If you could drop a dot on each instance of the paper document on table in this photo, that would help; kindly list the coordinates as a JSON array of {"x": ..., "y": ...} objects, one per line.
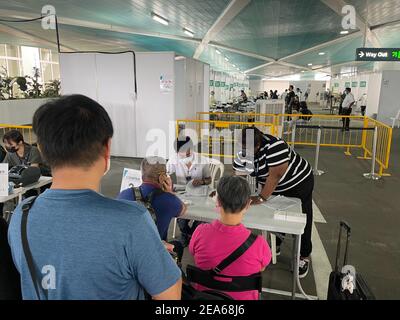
[
  {"x": 279, "y": 203},
  {"x": 199, "y": 191}
]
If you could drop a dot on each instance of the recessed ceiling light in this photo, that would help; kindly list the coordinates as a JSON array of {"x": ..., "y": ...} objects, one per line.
[
  {"x": 321, "y": 53},
  {"x": 310, "y": 64},
  {"x": 226, "y": 59},
  {"x": 233, "y": 66},
  {"x": 344, "y": 32},
  {"x": 188, "y": 32},
  {"x": 159, "y": 19},
  {"x": 302, "y": 71},
  {"x": 217, "y": 51}
]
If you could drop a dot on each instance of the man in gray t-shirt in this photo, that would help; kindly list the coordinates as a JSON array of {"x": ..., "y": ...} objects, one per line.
[{"x": 19, "y": 152}]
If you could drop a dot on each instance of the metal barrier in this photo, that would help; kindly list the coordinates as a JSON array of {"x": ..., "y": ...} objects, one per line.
[
  {"x": 331, "y": 136},
  {"x": 217, "y": 139},
  {"x": 26, "y": 131},
  {"x": 383, "y": 144}
]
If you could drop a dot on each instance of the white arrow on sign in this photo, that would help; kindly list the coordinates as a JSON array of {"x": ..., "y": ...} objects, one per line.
[{"x": 361, "y": 54}]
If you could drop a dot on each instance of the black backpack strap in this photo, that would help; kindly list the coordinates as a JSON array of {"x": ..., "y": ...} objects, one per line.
[
  {"x": 236, "y": 254},
  {"x": 155, "y": 193},
  {"x": 25, "y": 245},
  {"x": 137, "y": 194}
]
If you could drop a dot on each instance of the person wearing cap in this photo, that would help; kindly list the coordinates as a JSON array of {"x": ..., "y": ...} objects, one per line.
[{"x": 188, "y": 166}]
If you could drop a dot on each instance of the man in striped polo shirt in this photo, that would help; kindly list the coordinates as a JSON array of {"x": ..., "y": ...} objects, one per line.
[{"x": 279, "y": 170}]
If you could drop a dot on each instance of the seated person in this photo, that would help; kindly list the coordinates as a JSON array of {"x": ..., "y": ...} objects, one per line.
[
  {"x": 243, "y": 95},
  {"x": 165, "y": 204},
  {"x": 188, "y": 166},
  {"x": 211, "y": 243},
  {"x": 19, "y": 152},
  {"x": 304, "y": 110}
]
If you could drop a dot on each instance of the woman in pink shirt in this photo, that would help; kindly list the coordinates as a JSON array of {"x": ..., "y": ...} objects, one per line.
[{"x": 212, "y": 243}]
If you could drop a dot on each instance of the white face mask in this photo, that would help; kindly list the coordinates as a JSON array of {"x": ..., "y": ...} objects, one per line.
[
  {"x": 187, "y": 160},
  {"x": 108, "y": 166}
]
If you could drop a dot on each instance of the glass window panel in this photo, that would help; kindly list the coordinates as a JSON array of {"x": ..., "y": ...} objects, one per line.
[
  {"x": 2, "y": 50},
  {"x": 13, "y": 68},
  {"x": 56, "y": 72},
  {"x": 46, "y": 72},
  {"x": 54, "y": 56},
  {"x": 3, "y": 63},
  {"x": 12, "y": 51},
  {"x": 44, "y": 54}
]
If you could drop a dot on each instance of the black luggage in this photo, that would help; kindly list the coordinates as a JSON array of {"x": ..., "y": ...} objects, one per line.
[{"x": 361, "y": 290}]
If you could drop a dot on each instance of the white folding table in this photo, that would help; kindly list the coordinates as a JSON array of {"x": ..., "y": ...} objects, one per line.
[
  {"x": 258, "y": 217},
  {"x": 19, "y": 192}
]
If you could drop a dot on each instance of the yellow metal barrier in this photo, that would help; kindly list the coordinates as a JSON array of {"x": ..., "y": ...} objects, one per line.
[
  {"x": 217, "y": 139},
  {"x": 26, "y": 131},
  {"x": 332, "y": 135},
  {"x": 383, "y": 145}
]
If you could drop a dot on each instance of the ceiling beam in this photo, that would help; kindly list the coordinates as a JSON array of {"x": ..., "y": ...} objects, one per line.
[
  {"x": 15, "y": 32},
  {"x": 355, "y": 63},
  {"x": 240, "y": 51},
  {"x": 337, "y": 5},
  {"x": 231, "y": 11},
  {"x": 323, "y": 45},
  {"x": 259, "y": 67},
  {"x": 100, "y": 26}
]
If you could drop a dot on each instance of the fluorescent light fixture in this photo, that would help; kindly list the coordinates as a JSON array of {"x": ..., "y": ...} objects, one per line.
[
  {"x": 179, "y": 58},
  {"x": 344, "y": 32},
  {"x": 159, "y": 19},
  {"x": 217, "y": 51},
  {"x": 226, "y": 59},
  {"x": 188, "y": 32},
  {"x": 310, "y": 64},
  {"x": 321, "y": 53}
]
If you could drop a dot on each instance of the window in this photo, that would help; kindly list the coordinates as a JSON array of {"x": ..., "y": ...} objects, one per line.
[{"x": 20, "y": 61}]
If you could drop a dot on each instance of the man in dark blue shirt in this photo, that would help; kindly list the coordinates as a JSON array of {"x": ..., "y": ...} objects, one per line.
[{"x": 157, "y": 185}]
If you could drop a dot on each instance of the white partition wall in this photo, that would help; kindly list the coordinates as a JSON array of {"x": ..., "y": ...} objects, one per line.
[
  {"x": 167, "y": 90},
  {"x": 108, "y": 79},
  {"x": 155, "y": 106},
  {"x": 389, "y": 102}
]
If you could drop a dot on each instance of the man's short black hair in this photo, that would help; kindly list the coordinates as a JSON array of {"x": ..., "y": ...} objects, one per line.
[
  {"x": 233, "y": 193},
  {"x": 291, "y": 87},
  {"x": 72, "y": 131},
  {"x": 348, "y": 89},
  {"x": 184, "y": 143},
  {"x": 14, "y": 136}
]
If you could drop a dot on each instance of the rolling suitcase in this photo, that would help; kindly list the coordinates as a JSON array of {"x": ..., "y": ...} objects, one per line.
[{"x": 345, "y": 277}]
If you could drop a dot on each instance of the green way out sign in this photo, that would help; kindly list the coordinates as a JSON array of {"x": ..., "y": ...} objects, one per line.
[{"x": 378, "y": 54}]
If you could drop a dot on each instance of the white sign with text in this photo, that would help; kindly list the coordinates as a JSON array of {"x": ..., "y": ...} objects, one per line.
[{"x": 131, "y": 177}]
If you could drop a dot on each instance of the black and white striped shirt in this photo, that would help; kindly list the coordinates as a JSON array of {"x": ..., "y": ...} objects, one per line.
[{"x": 274, "y": 152}]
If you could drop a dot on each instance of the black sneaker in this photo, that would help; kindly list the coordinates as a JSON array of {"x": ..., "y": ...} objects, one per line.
[
  {"x": 278, "y": 251},
  {"x": 304, "y": 265}
]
